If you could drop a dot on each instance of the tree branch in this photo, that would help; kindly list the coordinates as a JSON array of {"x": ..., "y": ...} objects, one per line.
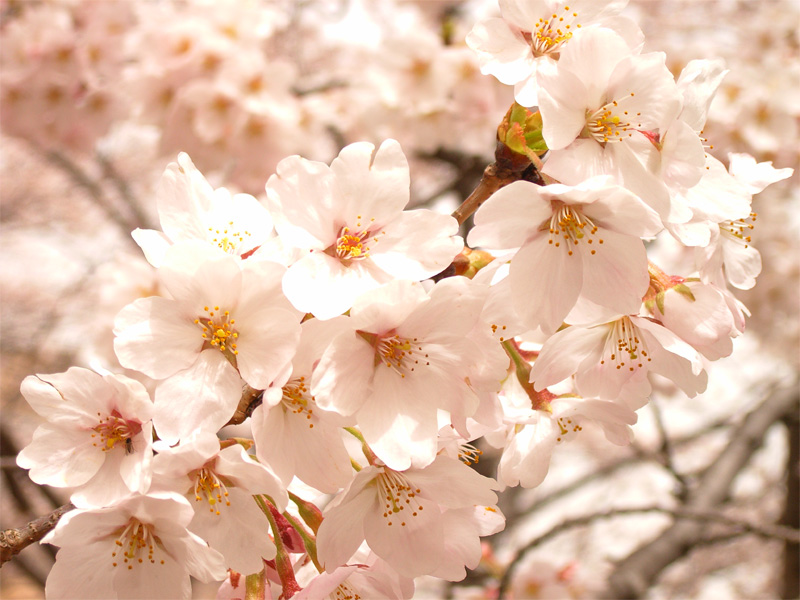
[
  {"x": 14, "y": 541},
  {"x": 634, "y": 575},
  {"x": 685, "y": 513}
]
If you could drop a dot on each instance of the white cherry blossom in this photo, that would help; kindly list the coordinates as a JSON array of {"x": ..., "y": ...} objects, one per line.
[
  {"x": 610, "y": 357},
  {"x": 190, "y": 209},
  {"x": 137, "y": 548},
  {"x": 349, "y": 221},
  {"x": 406, "y": 517},
  {"x": 227, "y": 321},
  {"x": 405, "y": 355},
  {"x": 532, "y": 34},
  {"x": 573, "y": 241},
  {"x": 98, "y": 436},
  {"x": 601, "y": 107},
  {"x": 220, "y": 484}
]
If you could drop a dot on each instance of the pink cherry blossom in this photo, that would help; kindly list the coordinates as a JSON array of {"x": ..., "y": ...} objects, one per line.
[
  {"x": 581, "y": 241},
  {"x": 220, "y": 484},
  {"x": 98, "y": 436},
  {"x": 407, "y": 516},
  {"x": 349, "y": 221},
  {"x": 227, "y": 322},
  {"x": 137, "y": 548}
]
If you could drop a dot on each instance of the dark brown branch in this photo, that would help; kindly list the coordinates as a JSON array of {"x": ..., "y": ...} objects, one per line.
[
  {"x": 13, "y": 541},
  {"x": 634, "y": 575},
  {"x": 507, "y": 168}
]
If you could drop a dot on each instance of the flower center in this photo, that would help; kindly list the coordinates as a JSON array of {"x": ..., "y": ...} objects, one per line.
[
  {"x": 218, "y": 331},
  {"x": 739, "y": 230},
  {"x": 136, "y": 540},
  {"x": 550, "y": 34},
  {"x": 567, "y": 428},
  {"x": 209, "y": 487},
  {"x": 397, "y": 495},
  {"x": 400, "y": 354},
  {"x": 353, "y": 242},
  {"x": 570, "y": 224},
  {"x": 113, "y": 430},
  {"x": 624, "y": 347},
  {"x": 344, "y": 592},
  {"x": 611, "y": 122},
  {"x": 228, "y": 239},
  {"x": 297, "y": 399}
]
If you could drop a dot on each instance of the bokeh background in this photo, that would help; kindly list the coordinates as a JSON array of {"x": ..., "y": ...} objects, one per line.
[{"x": 97, "y": 96}]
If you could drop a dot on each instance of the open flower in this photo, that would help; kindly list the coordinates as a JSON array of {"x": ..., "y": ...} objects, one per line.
[
  {"x": 610, "y": 357},
  {"x": 582, "y": 241},
  {"x": 405, "y": 355},
  {"x": 407, "y": 517},
  {"x": 600, "y": 107},
  {"x": 98, "y": 435},
  {"x": 532, "y": 34},
  {"x": 348, "y": 220},
  {"x": 220, "y": 484},
  {"x": 137, "y": 548},
  {"x": 190, "y": 209},
  {"x": 226, "y": 318}
]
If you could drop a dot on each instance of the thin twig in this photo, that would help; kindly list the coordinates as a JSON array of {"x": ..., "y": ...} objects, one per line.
[{"x": 666, "y": 451}]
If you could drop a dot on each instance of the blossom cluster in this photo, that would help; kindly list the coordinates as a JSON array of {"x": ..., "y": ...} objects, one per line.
[{"x": 365, "y": 346}]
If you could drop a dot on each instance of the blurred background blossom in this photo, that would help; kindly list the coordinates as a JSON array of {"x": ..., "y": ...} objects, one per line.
[{"x": 96, "y": 97}]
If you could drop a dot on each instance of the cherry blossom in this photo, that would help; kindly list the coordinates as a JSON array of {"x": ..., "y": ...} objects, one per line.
[
  {"x": 220, "y": 485},
  {"x": 190, "y": 209},
  {"x": 227, "y": 322},
  {"x": 292, "y": 433},
  {"x": 601, "y": 107},
  {"x": 97, "y": 438},
  {"x": 403, "y": 516},
  {"x": 573, "y": 241},
  {"x": 608, "y": 357},
  {"x": 405, "y": 355},
  {"x": 137, "y": 548},
  {"x": 349, "y": 220},
  {"x": 532, "y": 35}
]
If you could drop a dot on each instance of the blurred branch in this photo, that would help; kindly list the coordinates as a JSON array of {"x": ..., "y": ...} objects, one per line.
[
  {"x": 140, "y": 219},
  {"x": 685, "y": 513},
  {"x": 790, "y": 584},
  {"x": 82, "y": 179},
  {"x": 667, "y": 451},
  {"x": 634, "y": 575},
  {"x": 14, "y": 541}
]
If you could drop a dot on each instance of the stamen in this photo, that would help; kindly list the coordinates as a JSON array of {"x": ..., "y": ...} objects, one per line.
[
  {"x": 131, "y": 543},
  {"x": 218, "y": 331},
  {"x": 228, "y": 239},
  {"x": 569, "y": 223},
  {"x": 297, "y": 399},
  {"x": 212, "y": 487},
  {"x": 550, "y": 34},
  {"x": 611, "y": 122},
  {"x": 739, "y": 230},
  {"x": 113, "y": 430},
  {"x": 625, "y": 348},
  {"x": 400, "y": 354},
  {"x": 398, "y": 495}
]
